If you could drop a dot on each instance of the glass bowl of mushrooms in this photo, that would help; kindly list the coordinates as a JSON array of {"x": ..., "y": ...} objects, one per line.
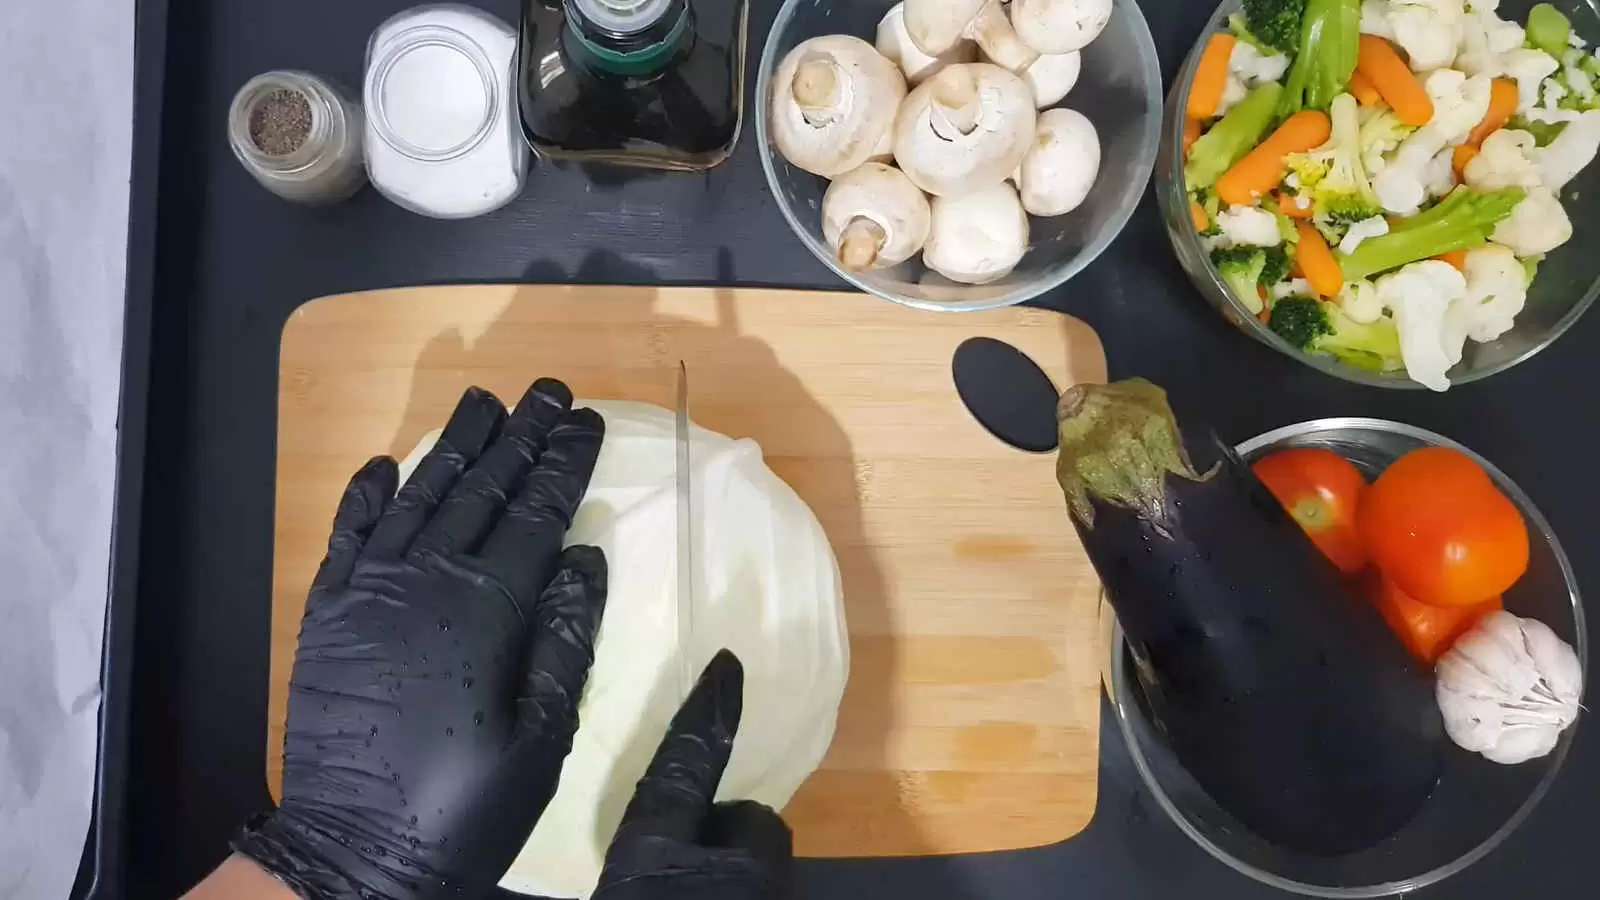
[
  {"x": 1482, "y": 794},
  {"x": 958, "y": 154}
]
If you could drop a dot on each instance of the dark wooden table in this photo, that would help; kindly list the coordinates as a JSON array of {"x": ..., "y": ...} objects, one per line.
[{"x": 232, "y": 262}]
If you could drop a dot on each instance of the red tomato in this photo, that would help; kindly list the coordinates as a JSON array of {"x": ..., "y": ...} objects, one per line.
[
  {"x": 1439, "y": 528},
  {"x": 1427, "y": 631},
  {"x": 1321, "y": 490}
]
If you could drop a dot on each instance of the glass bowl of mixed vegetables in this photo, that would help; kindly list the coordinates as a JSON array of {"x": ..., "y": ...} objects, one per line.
[
  {"x": 1354, "y": 484},
  {"x": 1394, "y": 192}
]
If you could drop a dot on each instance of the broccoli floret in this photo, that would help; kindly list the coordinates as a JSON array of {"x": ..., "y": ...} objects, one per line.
[
  {"x": 1273, "y": 23},
  {"x": 1380, "y": 134},
  {"x": 1330, "y": 34},
  {"x": 1241, "y": 268},
  {"x": 1308, "y": 169},
  {"x": 1335, "y": 174},
  {"x": 1374, "y": 346},
  {"x": 1332, "y": 232},
  {"x": 1318, "y": 327},
  {"x": 1464, "y": 219},
  {"x": 1275, "y": 266},
  {"x": 1300, "y": 321},
  {"x": 1344, "y": 196},
  {"x": 1241, "y": 30},
  {"x": 1234, "y": 135}
]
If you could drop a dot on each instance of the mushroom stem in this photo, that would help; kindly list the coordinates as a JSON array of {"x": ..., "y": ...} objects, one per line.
[
  {"x": 993, "y": 32},
  {"x": 816, "y": 89},
  {"x": 860, "y": 243},
  {"x": 955, "y": 101}
]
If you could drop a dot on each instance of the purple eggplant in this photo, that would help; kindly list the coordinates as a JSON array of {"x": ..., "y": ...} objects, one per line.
[{"x": 1277, "y": 686}]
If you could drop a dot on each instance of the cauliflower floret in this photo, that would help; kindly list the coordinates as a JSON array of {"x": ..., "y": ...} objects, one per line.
[
  {"x": 1254, "y": 67},
  {"x": 1572, "y": 150},
  {"x": 1551, "y": 92},
  {"x": 1399, "y": 187},
  {"x": 1420, "y": 295},
  {"x": 1294, "y": 287},
  {"x": 1359, "y": 300},
  {"x": 1578, "y": 81},
  {"x": 1529, "y": 68},
  {"x": 1375, "y": 19},
  {"x": 1485, "y": 39},
  {"x": 1537, "y": 225},
  {"x": 1382, "y": 132},
  {"x": 1497, "y": 289},
  {"x": 1439, "y": 177},
  {"x": 1249, "y": 226},
  {"x": 1459, "y": 103},
  {"x": 1377, "y": 226},
  {"x": 1508, "y": 158},
  {"x": 1550, "y": 115},
  {"x": 1233, "y": 90},
  {"x": 1428, "y": 30}
]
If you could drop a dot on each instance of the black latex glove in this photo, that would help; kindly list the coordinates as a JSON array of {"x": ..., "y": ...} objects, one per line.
[
  {"x": 444, "y": 648},
  {"x": 674, "y": 842}
]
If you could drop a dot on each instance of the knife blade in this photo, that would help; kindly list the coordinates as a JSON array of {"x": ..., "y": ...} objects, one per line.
[{"x": 684, "y": 485}]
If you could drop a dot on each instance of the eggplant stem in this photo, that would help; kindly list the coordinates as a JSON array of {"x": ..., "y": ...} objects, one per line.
[{"x": 1118, "y": 443}]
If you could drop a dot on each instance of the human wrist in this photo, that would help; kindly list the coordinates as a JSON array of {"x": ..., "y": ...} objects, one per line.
[
  {"x": 313, "y": 856},
  {"x": 240, "y": 878}
]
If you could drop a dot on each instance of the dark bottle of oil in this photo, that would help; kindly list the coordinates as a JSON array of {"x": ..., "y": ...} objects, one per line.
[{"x": 656, "y": 83}]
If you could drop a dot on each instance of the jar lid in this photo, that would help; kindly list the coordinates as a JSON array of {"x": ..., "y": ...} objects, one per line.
[
  {"x": 432, "y": 93},
  {"x": 622, "y": 16}
]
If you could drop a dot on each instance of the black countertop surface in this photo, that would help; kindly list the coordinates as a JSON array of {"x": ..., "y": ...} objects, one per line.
[{"x": 232, "y": 263}]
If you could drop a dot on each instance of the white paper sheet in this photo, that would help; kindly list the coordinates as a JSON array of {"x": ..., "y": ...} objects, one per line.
[{"x": 65, "y": 139}]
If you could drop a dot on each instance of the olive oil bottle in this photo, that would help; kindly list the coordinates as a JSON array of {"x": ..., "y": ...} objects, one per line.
[{"x": 655, "y": 83}]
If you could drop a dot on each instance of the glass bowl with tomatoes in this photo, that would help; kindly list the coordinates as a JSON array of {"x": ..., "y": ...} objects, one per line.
[{"x": 1476, "y": 803}]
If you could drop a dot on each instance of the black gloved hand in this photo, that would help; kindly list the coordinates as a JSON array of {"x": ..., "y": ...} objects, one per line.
[
  {"x": 444, "y": 647},
  {"x": 673, "y": 841}
]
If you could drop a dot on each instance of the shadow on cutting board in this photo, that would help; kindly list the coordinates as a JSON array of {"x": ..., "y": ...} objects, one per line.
[{"x": 763, "y": 401}]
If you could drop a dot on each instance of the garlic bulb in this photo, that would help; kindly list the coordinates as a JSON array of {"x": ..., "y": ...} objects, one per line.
[{"x": 1508, "y": 688}]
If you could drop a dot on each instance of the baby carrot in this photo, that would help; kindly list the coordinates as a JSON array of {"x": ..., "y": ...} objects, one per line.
[
  {"x": 1460, "y": 157},
  {"x": 1382, "y": 66},
  {"x": 1191, "y": 133},
  {"x": 1502, "y": 106},
  {"x": 1456, "y": 258},
  {"x": 1262, "y": 168},
  {"x": 1362, "y": 88},
  {"x": 1197, "y": 215},
  {"x": 1317, "y": 261},
  {"x": 1210, "y": 76},
  {"x": 1288, "y": 205}
]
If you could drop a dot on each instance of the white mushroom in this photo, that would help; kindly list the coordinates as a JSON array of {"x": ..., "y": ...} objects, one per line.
[
  {"x": 966, "y": 128},
  {"x": 896, "y": 46},
  {"x": 874, "y": 217},
  {"x": 1052, "y": 76},
  {"x": 833, "y": 103},
  {"x": 978, "y": 237},
  {"x": 1059, "y": 26},
  {"x": 1060, "y": 168},
  {"x": 935, "y": 26}
]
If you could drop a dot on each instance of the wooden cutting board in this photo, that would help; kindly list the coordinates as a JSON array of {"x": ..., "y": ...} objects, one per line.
[{"x": 971, "y": 719}]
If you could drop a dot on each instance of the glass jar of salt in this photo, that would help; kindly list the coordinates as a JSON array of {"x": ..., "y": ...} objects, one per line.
[
  {"x": 299, "y": 136},
  {"x": 442, "y": 138}
]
